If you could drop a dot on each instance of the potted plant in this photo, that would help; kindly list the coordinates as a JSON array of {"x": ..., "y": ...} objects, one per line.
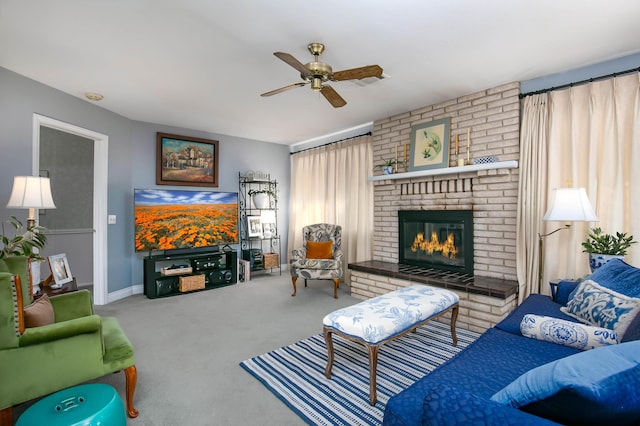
[
  {"x": 387, "y": 165},
  {"x": 260, "y": 197},
  {"x": 604, "y": 247},
  {"x": 24, "y": 242}
]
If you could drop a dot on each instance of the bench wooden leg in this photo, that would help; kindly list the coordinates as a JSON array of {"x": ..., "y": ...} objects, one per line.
[
  {"x": 293, "y": 281},
  {"x": 329, "y": 341},
  {"x": 454, "y": 318},
  {"x": 373, "y": 368}
]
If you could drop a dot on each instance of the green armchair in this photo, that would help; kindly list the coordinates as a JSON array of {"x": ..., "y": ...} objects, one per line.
[{"x": 79, "y": 346}]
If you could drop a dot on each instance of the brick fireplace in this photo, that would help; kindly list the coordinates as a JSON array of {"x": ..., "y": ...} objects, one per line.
[{"x": 493, "y": 119}]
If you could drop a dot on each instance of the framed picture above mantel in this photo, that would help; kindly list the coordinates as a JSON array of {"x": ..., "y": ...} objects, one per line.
[
  {"x": 187, "y": 161},
  {"x": 430, "y": 145}
]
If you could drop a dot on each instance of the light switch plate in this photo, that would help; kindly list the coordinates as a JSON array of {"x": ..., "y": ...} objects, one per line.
[{"x": 111, "y": 219}]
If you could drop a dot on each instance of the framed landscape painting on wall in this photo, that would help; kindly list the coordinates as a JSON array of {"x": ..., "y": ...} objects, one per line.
[
  {"x": 183, "y": 160},
  {"x": 430, "y": 145}
]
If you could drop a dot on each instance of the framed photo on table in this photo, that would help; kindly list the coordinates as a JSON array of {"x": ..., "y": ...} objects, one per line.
[
  {"x": 60, "y": 270},
  {"x": 430, "y": 145},
  {"x": 183, "y": 160}
]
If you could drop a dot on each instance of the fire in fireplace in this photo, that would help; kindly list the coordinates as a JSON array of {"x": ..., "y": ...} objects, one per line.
[{"x": 439, "y": 239}]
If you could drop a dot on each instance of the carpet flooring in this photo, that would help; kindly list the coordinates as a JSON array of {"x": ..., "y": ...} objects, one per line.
[{"x": 295, "y": 373}]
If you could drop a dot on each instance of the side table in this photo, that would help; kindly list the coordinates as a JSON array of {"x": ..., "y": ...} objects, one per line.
[{"x": 46, "y": 289}]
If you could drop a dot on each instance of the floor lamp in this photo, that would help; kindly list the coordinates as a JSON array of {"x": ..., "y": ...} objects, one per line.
[
  {"x": 31, "y": 192},
  {"x": 567, "y": 205}
]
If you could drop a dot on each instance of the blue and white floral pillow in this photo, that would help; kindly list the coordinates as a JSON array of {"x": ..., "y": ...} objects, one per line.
[
  {"x": 566, "y": 333},
  {"x": 599, "y": 306}
]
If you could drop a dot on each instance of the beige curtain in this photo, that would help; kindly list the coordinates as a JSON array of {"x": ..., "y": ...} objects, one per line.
[
  {"x": 593, "y": 142},
  {"x": 531, "y": 189},
  {"x": 329, "y": 185}
]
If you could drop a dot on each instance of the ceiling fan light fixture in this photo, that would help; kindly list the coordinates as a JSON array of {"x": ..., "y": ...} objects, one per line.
[{"x": 316, "y": 83}]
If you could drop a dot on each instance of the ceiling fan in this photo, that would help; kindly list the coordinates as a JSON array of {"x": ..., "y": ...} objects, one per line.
[{"x": 317, "y": 73}]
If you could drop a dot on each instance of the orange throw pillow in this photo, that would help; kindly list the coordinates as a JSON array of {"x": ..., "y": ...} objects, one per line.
[
  {"x": 39, "y": 313},
  {"x": 320, "y": 250}
]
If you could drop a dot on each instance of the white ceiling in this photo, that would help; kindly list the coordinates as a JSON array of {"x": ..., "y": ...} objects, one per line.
[{"x": 202, "y": 64}]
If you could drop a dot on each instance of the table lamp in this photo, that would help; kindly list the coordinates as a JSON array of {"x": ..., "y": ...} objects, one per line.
[{"x": 31, "y": 192}]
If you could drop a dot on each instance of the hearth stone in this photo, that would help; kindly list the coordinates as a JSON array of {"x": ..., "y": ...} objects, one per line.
[
  {"x": 493, "y": 287},
  {"x": 484, "y": 301}
]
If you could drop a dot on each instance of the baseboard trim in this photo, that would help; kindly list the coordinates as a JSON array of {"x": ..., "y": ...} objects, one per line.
[{"x": 125, "y": 292}]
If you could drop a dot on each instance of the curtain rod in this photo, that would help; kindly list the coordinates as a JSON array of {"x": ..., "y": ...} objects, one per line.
[
  {"x": 590, "y": 80},
  {"x": 331, "y": 143}
]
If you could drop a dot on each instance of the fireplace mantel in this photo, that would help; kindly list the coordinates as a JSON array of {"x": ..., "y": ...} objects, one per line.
[{"x": 447, "y": 171}]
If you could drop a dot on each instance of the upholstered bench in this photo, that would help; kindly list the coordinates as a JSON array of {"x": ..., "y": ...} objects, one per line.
[{"x": 384, "y": 318}]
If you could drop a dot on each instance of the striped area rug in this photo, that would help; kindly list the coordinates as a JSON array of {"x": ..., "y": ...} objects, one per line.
[{"x": 295, "y": 373}]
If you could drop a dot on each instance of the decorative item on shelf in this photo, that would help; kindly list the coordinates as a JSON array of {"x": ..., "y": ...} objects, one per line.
[
  {"x": 468, "y": 147},
  {"x": 261, "y": 197},
  {"x": 567, "y": 205},
  {"x": 191, "y": 282},
  {"x": 176, "y": 270},
  {"x": 460, "y": 161},
  {"x": 257, "y": 176},
  {"x": 254, "y": 226},
  {"x": 604, "y": 247},
  {"x": 430, "y": 145},
  {"x": 271, "y": 260},
  {"x": 388, "y": 166},
  {"x": 268, "y": 219},
  {"x": 485, "y": 160}
]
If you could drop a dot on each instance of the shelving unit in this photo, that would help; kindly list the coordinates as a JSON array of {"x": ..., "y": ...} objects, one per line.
[
  {"x": 448, "y": 171},
  {"x": 262, "y": 252}
]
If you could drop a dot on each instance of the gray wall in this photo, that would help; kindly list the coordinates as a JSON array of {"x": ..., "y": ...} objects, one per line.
[
  {"x": 579, "y": 74},
  {"x": 132, "y": 161}
]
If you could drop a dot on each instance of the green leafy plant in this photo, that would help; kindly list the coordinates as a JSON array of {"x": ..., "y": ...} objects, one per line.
[
  {"x": 388, "y": 163},
  {"x": 26, "y": 241},
  {"x": 269, "y": 191},
  {"x": 599, "y": 242}
]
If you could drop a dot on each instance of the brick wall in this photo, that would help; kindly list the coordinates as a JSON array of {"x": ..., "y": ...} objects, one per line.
[{"x": 493, "y": 117}]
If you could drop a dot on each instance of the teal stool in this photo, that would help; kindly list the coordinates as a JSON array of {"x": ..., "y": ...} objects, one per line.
[{"x": 87, "y": 405}]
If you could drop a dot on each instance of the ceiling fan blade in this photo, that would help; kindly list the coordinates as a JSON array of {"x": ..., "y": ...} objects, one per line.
[
  {"x": 289, "y": 59},
  {"x": 332, "y": 96},
  {"x": 358, "y": 73},
  {"x": 283, "y": 89}
]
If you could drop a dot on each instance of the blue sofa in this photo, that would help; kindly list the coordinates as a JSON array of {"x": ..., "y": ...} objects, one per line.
[{"x": 460, "y": 391}]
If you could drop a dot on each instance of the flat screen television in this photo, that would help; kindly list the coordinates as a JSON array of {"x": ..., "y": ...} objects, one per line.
[{"x": 174, "y": 219}]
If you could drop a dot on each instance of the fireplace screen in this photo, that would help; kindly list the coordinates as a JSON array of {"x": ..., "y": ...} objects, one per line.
[{"x": 439, "y": 239}]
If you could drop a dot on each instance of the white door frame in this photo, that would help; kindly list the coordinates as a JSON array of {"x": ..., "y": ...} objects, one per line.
[{"x": 100, "y": 180}]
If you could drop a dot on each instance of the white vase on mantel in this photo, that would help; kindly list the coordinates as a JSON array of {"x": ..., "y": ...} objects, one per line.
[
  {"x": 596, "y": 260},
  {"x": 260, "y": 200}
]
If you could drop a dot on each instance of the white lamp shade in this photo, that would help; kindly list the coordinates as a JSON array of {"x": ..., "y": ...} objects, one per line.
[
  {"x": 570, "y": 205},
  {"x": 31, "y": 192}
]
